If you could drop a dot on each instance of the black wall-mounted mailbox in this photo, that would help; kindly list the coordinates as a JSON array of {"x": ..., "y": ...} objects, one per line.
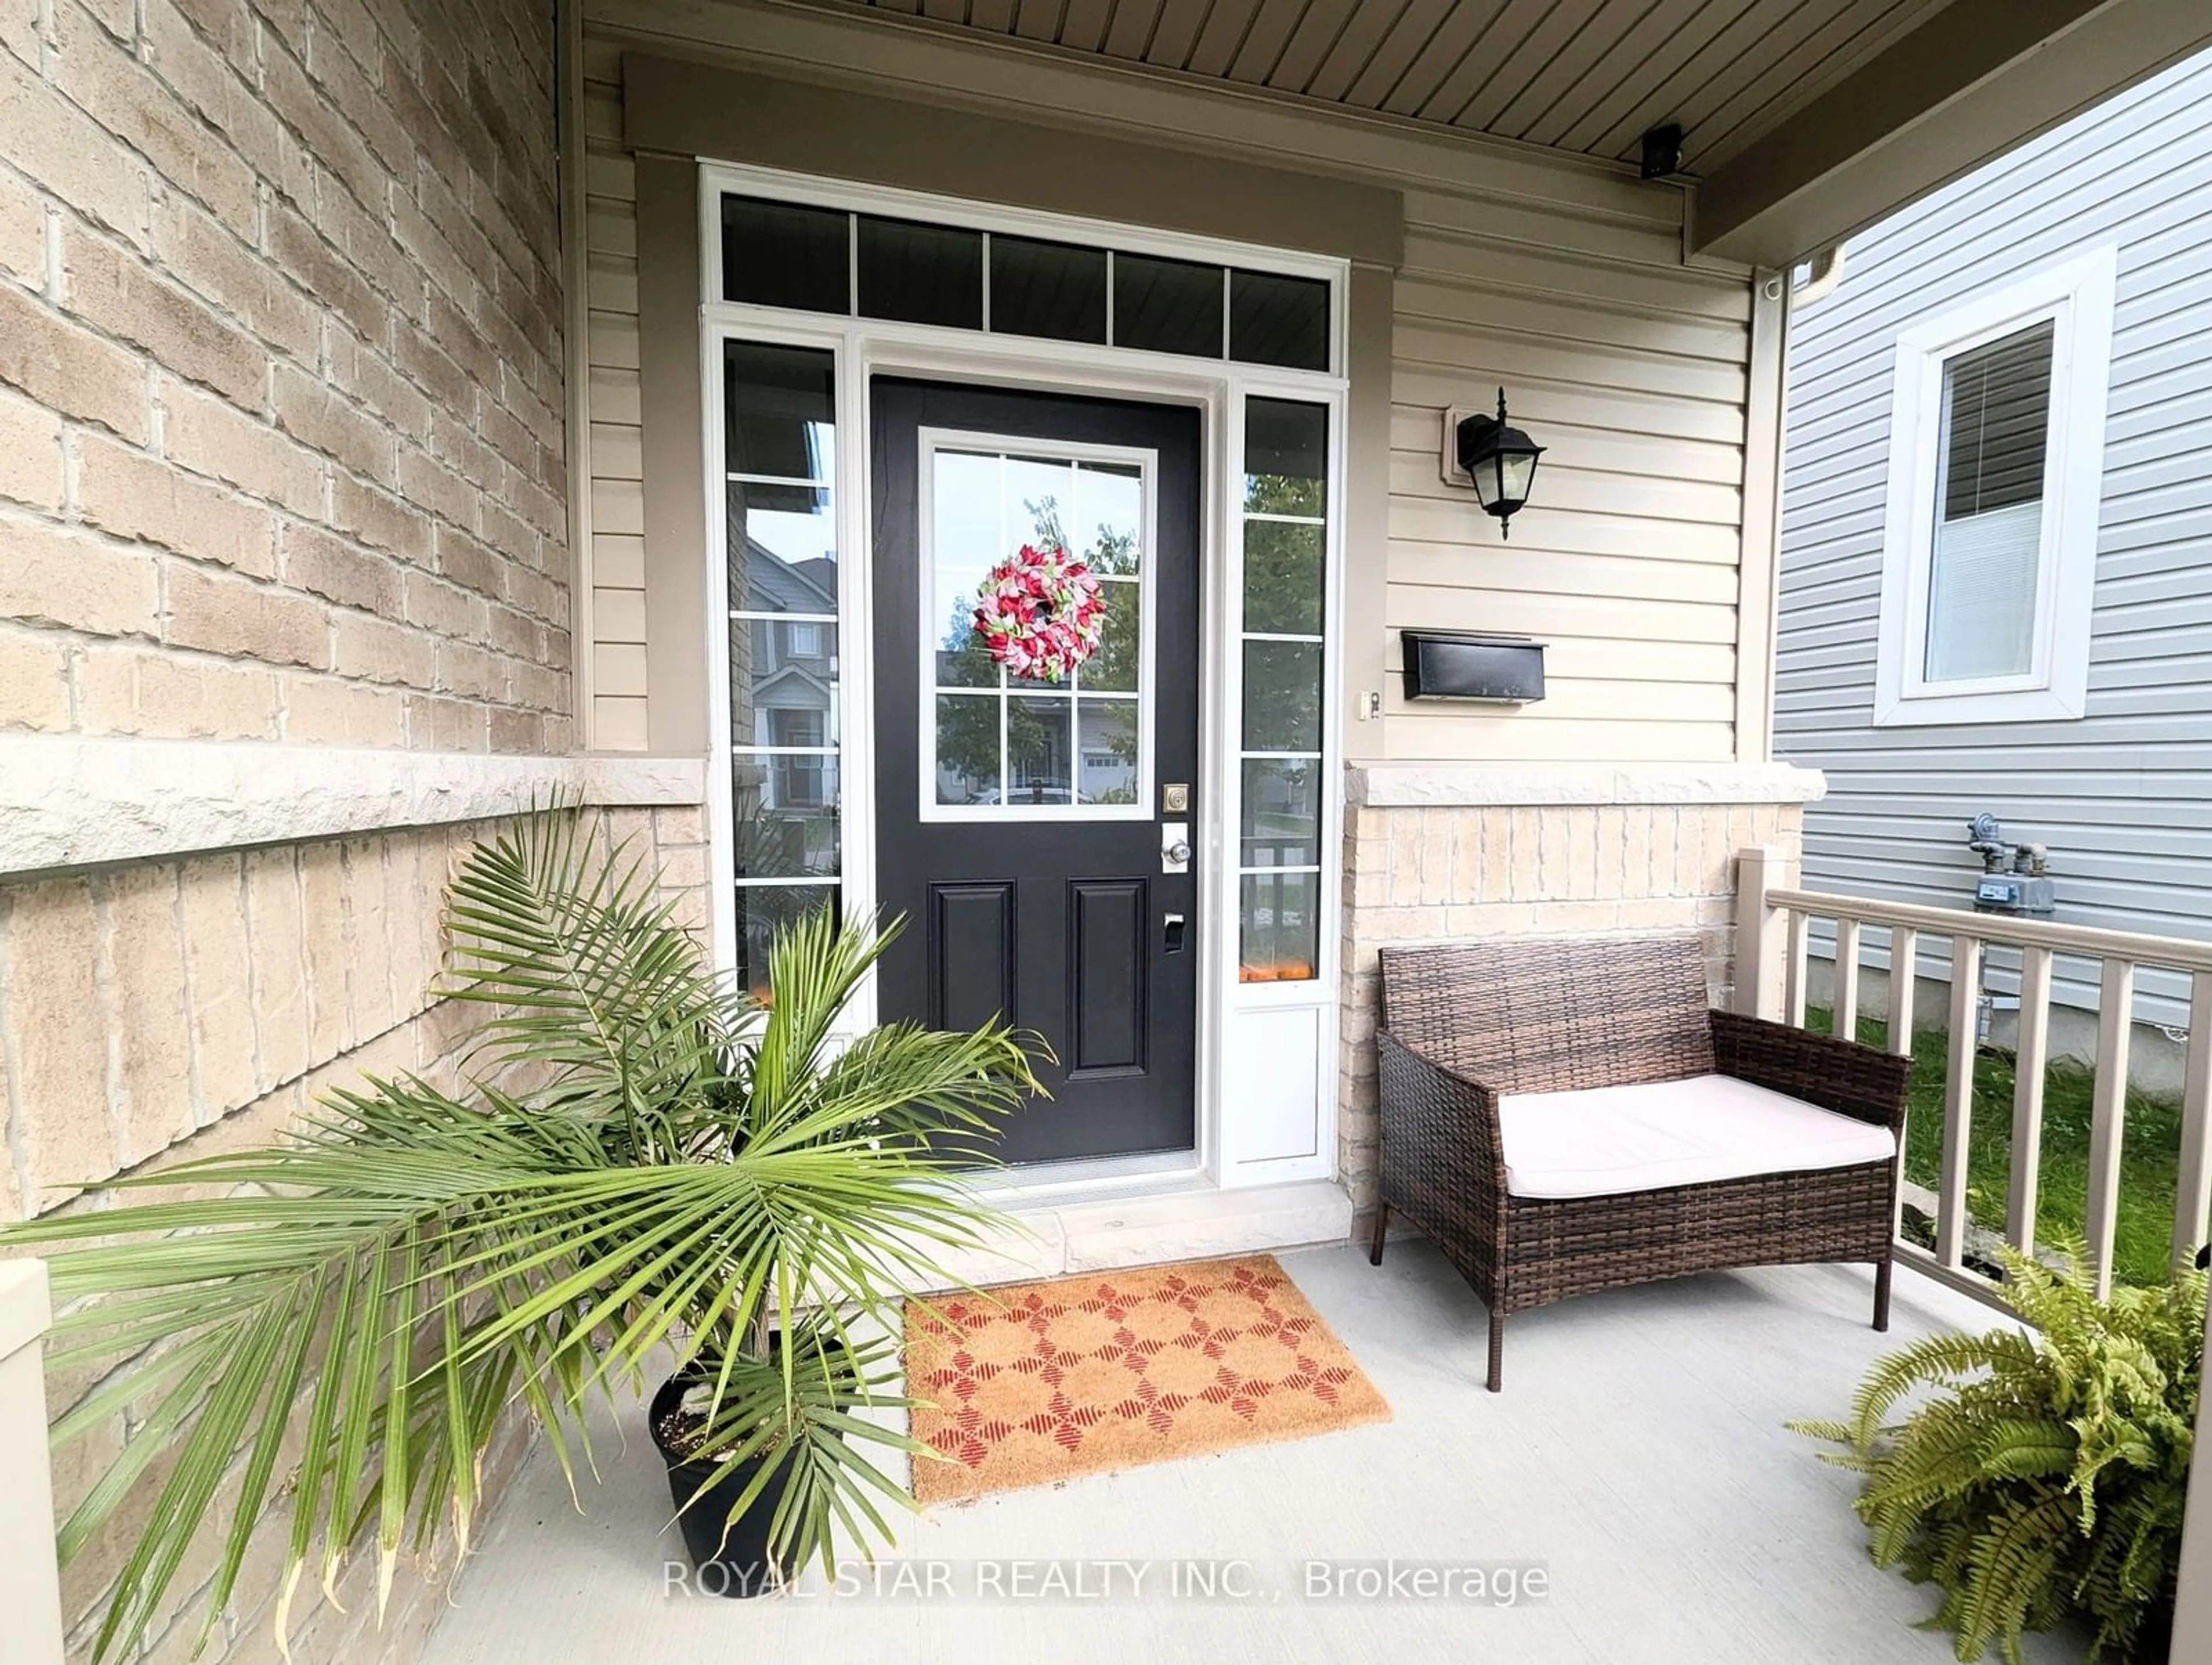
[{"x": 1464, "y": 664}]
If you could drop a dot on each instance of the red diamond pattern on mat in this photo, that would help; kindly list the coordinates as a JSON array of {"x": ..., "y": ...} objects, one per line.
[{"x": 1029, "y": 1385}]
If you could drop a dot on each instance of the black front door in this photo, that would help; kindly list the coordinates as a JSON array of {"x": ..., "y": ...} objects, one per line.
[{"x": 1021, "y": 821}]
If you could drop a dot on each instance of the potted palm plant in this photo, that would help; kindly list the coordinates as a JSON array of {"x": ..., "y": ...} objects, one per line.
[{"x": 646, "y": 1173}]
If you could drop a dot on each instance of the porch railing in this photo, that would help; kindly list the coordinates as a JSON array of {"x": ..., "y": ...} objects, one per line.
[{"x": 1774, "y": 937}]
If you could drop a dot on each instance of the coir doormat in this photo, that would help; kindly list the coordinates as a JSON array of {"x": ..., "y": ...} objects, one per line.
[{"x": 1034, "y": 1383}]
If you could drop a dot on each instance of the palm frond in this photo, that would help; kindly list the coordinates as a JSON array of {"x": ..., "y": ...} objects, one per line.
[{"x": 332, "y": 1329}]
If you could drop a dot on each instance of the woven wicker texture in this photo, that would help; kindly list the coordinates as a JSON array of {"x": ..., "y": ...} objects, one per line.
[{"x": 1466, "y": 1023}]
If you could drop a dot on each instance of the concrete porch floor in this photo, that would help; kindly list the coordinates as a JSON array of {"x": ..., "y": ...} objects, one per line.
[{"x": 1637, "y": 1454}]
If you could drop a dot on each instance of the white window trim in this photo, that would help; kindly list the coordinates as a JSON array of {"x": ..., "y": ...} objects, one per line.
[
  {"x": 2077, "y": 297},
  {"x": 1218, "y": 389}
]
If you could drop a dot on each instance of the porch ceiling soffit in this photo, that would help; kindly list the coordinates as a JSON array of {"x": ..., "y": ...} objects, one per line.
[
  {"x": 1978, "y": 79},
  {"x": 1472, "y": 785},
  {"x": 68, "y": 802},
  {"x": 708, "y": 110}
]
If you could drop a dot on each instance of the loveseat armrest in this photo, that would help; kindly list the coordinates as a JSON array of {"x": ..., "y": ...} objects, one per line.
[
  {"x": 1439, "y": 1127},
  {"x": 1862, "y": 1082}
]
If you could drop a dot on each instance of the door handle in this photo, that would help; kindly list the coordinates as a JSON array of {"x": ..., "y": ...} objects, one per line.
[
  {"x": 1174, "y": 847},
  {"x": 1173, "y": 932}
]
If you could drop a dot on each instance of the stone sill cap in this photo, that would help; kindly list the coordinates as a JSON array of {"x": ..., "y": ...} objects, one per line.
[{"x": 72, "y": 801}]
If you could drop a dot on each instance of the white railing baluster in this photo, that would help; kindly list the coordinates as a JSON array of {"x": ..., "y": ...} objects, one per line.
[
  {"x": 1959, "y": 1100},
  {"x": 1904, "y": 961},
  {"x": 1774, "y": 929},
  {"x": 2032, "y": 1051},
  {"x": 2192, "y": 1598},
  {"x": 2108, "y": 1112},
  {"x": 1792, "y": 987},
  {"x": 1904, "y": 979},
  {"x": 1847, "y": 979},
  {"x": 2192, "y": 1194}
]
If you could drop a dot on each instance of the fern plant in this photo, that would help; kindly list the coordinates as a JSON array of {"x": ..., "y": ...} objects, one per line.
[
  {"x": 645, "y": 1167},
  {"x": 2044, "y": 1476}
]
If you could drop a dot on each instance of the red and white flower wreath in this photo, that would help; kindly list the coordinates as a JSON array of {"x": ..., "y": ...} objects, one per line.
[{"x": 1040, "y": 612}]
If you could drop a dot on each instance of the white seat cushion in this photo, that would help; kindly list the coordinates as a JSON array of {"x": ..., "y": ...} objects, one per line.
[{"x": 1608, "y": 1141}]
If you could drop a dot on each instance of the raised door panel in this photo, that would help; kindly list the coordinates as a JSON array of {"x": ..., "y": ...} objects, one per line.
[{"x": 1107, "y": 1004}]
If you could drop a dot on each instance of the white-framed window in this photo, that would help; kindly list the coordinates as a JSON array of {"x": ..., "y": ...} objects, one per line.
[{"x": 1996, "y": 468}]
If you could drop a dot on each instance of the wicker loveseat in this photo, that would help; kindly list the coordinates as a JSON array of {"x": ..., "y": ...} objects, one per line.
[{"x": 1566, "y": 1117}]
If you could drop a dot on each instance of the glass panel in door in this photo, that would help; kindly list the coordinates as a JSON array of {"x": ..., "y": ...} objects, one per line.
[{"x": 1016, "y": 726}]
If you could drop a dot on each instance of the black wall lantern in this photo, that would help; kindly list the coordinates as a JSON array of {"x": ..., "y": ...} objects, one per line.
[{"x": 1500, "y": 460}]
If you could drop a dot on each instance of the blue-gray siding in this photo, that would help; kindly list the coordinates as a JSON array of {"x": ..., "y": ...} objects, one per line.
[{"x": 2123, "y": 796}]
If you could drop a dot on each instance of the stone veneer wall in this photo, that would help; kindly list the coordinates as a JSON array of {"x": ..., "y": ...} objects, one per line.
[
  {"x": 1433, "y": 872},
  {"x": 282, "y": 459},
  {"x": 281, "y": 450},
  {"x": 170, "y": 1009}
]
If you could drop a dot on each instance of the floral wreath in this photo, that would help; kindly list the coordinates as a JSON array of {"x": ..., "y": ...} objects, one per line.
[{"x": 1041, "y": 613}]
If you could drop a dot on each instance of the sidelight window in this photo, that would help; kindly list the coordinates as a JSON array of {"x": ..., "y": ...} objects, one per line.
[
  {"x": 780, "y": 483},
  {"x": 1284, "y": 588}
]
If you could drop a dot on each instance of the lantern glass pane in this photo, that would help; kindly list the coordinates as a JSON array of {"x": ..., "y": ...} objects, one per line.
[
  {"x": 1484, "y": 473},
  {"x": 1513, "y": 474}
]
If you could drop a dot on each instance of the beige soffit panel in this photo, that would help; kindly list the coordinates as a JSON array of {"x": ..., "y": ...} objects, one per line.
[
  {"x": 1979, "y": 78},
  {"x": 705, "y": 110}
]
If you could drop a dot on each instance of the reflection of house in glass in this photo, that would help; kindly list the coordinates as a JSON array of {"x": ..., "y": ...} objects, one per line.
[
  {"x": 1037, "y": 747},
  {"x": 783, "y": 676}
]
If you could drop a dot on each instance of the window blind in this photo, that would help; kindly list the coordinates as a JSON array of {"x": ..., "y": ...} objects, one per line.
[{"x": 1988, "y": 525}]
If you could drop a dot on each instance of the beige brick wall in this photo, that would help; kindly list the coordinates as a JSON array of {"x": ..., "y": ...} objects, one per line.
[
  {"x": 280, "y": 378},
  {"x": 168, "y": 1009},
  {"x": 1434, "y": 874}
]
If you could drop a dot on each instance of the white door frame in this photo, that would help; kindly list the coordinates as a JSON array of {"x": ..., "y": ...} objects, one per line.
[{"x": 866, "y": 348}]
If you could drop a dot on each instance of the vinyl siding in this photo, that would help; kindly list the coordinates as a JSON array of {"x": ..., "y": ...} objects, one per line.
[
  {"x": 2123, "y": 796},
  {"x": 617, "y": 489},
  {"x": 1562, "y": 280},
  {"x": 1631, "y": 369}
]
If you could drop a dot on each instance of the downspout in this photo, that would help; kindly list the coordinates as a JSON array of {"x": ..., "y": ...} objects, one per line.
[
  {"x": 30, "y": 1582},
  {"x": 1823, "y": 272}
]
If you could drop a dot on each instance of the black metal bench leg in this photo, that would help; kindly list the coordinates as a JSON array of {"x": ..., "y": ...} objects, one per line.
[
  {"x": 1374, "y": 1243},
  {"x": 1882, "y": 1269}
]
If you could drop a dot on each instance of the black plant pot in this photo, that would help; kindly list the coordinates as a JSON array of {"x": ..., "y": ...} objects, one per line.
[{"x": 735, "y": 1563}]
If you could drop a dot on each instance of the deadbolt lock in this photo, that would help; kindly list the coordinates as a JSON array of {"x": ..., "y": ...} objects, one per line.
[{"x": 1175, "y": 798}]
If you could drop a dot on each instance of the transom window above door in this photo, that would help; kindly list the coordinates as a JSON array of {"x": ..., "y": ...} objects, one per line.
[
  {"x": 1003, "y": 743},
  {"x": 814, "y": 258}
]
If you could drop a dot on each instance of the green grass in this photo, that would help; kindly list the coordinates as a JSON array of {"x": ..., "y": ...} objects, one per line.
[{"x": 2150, "y": 1151}]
